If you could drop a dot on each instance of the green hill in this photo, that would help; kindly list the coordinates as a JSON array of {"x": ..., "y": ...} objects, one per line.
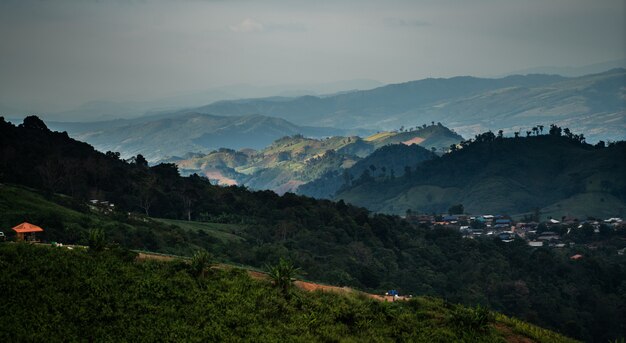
[
  {"x": 388, "y": 162},
  {"x": 292, "y": 161},
  {"x": 556, "y": 174},
  {"x": 52, "y": 294}
]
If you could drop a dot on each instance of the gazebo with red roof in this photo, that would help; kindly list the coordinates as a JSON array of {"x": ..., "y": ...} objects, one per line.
[{"x": 26, "y": 232}]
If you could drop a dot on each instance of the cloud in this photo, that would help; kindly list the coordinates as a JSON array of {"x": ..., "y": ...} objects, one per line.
[
  {"x": 399, "y": 22},
  {"x": 247, "y": 25},
  {"x": 289, "y": 27}
]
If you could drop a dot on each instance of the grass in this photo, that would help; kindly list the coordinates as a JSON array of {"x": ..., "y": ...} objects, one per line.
[
  {"x": 379, "y": 136},
  {"x": 22, "y": 202},
  {"x": 531, "y": 331},
  {"x": 581, "y": 205},
  {"x": 224, "y": 232}
]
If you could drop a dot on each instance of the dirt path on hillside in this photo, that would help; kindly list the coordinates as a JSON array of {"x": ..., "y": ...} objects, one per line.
[
  {"x": 303, "y": 285},
  {"x": 157, "y": 257}
]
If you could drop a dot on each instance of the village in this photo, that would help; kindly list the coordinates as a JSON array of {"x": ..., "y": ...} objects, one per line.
[{"x": 550, "y": 233}]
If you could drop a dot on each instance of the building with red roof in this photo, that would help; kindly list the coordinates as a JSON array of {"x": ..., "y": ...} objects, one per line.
[{"x": 26, "y": 232}]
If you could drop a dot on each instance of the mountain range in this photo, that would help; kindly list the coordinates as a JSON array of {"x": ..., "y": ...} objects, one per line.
[
  {"x": 174, "y": 134},
  {"x": 594, "y": 104},
  {"x": 295, "y": 160}
]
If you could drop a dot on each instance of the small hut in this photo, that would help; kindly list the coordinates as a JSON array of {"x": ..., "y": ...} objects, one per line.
[{"x": 27, "y": 232}]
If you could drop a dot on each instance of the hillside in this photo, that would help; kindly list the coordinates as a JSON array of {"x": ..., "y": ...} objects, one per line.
[
  {"x": 103, "y": 297},
  {"x": 388, "y": 162},
  {"x": 556, "y": 174},
  {"x": 293, "y": 161},
  {"x": 593, "y": 104},
  {"x": 175, "y": 134},
  {"x": 334, "y": 243}
]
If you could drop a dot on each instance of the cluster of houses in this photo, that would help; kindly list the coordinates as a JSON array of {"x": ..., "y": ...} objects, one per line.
[
  {"x": 505, "y": 228},
  {"x": 101, "y": 206}
]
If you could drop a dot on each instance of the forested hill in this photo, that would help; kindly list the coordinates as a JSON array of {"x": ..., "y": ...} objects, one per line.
[
  {"x": 388, "y": 162},
  {"x": 295, "y": 160},
  {"x": 335, "y": 243},
  {"x": 558, "y": 174}
]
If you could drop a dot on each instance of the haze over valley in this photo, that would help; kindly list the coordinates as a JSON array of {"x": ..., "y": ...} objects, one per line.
[{"x": 327, "y": 171}]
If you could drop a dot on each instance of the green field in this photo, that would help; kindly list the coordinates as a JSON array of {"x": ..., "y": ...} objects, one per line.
[{"x": 224, "y": 232}]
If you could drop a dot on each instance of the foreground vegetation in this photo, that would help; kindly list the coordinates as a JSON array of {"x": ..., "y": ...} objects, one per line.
[
  {"x": 582, "y": 299},
  {"x": 53, "y": 294}
]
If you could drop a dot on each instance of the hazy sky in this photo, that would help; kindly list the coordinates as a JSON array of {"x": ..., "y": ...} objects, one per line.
[{"x": 65, "y": 52}]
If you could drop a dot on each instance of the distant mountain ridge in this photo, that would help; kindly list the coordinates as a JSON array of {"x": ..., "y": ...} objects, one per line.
[
  {"x": 165, "y": 135},
  {"x": 593, "y": 103}
]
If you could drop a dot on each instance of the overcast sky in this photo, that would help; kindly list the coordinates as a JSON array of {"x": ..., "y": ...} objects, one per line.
[{"x": 62, "y": 53}]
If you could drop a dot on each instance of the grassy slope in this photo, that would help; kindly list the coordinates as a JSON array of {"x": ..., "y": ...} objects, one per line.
[
  {"x": 74, "y": 295},
  {"x": 225, "y": 232},
  {"x": 69, "y": 222}
]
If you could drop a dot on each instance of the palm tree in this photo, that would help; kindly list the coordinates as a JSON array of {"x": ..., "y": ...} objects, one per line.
[
  {"x": 97, "y": 242},
  {"x": 200, "y": 262},
  {"x": 282, "y": 275}
]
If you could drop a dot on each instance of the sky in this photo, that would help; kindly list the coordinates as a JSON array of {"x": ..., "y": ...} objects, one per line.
[{"x": 59, "y": 54}]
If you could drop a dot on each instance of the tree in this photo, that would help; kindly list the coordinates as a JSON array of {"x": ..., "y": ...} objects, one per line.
[
  {"x": 141, "y": 161},
  {"x": 200, "y": 263},
  {"x": 407, "y": 171},
  {"x": 52, "y": 174},
  {"x": 33, "y": 122},
  {"x": 567, "y": 133},
  {"x": 456, "y": 209},
  {"x": 282, "y": 275},
  {"x": 147, "y": 193},
  {"x": 500, "y": 134},
  {"x": 555, "y": 130},
  {"x": 97, "y": 241},
  {"x": 540, "y": 128}
]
